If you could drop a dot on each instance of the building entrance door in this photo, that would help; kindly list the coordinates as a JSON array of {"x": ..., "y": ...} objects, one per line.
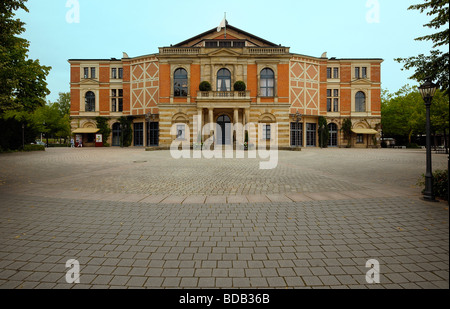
[
  {"x": 153, "y": 134},
  {"x": 223, "y": 133},
  {"x": 116, "y": 134}
]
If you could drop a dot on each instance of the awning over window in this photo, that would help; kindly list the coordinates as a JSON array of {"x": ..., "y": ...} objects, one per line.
[
  {"x": 365, "y": 131},
  {"x": 85, "y": 130}
]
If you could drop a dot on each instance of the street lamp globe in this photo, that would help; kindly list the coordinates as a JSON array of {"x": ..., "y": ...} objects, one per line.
[{"x": 427, "y": 90}]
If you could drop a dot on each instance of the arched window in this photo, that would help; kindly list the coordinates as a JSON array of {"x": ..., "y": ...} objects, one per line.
[
  {"x": 89, "y": 102},
  {"x": 360, "y": 102},
  {"x": 180, "y": 83},
  {"x": 223, "y": 80},
  {"x": 267, "y": 83},
  {"x": 333, "y": 138}
]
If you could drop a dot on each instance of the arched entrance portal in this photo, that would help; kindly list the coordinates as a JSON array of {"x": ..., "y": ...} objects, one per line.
[{"x": 223, "y": 133}]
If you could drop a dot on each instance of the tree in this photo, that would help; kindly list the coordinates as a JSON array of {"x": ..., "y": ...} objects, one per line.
[
  {"x": 436, "y": 64},
  {"x": 126, "y": 123},
  {"x": 324, "y": 132},
  {"x": 22, "y": 80},
  {"x": 23, "y": 86},
  {"x": 346, "y": 129},
  {"x": 105, "y": 130},
  {"x": 48, "y": 119},
  {"x": 63, "y": 103},
  {"x": 403, "y": 114},
  {"x": 440, "y": 116}
]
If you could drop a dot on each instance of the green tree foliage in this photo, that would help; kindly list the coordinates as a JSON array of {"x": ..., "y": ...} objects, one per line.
[
  {"x": 127, "y": 131},
  {"x": 105, "y": 130},
  {"x": 403, "y": 114},
  {"x": 22, "y": 81},
  {"x": 64, "y": 103},
  {"x": 205, "y": 86},
  {"x": 437, "y": 63},
  {"x": 23, "y": 86},
  {"x": 346, "y": 129},
  {"x": 49, "y": 120},
  {"x": 324, "y": 133}
]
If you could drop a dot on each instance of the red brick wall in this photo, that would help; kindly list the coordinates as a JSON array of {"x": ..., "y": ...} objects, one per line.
[
  {"x": 252, "y": 81},
  {"x": 164, "y": 83},
  {"x": 75, "y": 74},
  {"x": 195, "y": 79},
  {"x": 283, "y": 83},
  {"x": 74, "y": 101},
  {"x": 126, "y": 88}
]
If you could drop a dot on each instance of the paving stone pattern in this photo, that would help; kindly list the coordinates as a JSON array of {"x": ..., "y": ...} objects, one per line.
[{"x": 136, "y": 219}]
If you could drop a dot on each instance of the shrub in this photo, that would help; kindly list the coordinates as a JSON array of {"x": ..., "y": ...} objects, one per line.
[
  {"x": 239, "y": 86},
  {"x": 58, "y": 145},
  {"x": 412, "y": 145},
  {"x": 440, "y": 183},
  {"x": 205, "y": 86},
  {"x": 34, "y": 148}
]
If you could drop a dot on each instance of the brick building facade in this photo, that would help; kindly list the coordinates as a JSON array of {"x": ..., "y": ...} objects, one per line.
[{"x": 161, "y": 91}]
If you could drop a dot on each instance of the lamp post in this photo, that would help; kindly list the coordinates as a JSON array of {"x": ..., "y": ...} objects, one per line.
[{"x": 427, "y": 91}]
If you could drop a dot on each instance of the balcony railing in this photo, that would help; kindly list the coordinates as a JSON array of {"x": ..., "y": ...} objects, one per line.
[
  {"x": 231, "y": 95},
  {"x": 267, "y": 50},
  {"x": 201, "y": 50},
  {"x": 179, "y": 50}
]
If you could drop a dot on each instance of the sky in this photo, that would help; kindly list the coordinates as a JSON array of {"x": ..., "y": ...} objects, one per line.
[{"x": 106, "y": 28}]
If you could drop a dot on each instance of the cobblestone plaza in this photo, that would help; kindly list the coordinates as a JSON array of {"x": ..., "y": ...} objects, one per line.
[{"x": 139, "y": 219}]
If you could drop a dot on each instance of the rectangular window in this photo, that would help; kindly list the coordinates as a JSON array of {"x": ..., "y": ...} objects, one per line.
[
  {"x": 335, "y": 72},
  {"x": 224, "y": 43},
  {"x": 120, "y": 73},
  {"x": 117, "y": 100},
  {"x": 336, "y": 105},
  {"x": 266, "y": 132},
  {"x": 332, "y": 100},
  {"x": 92, "y": 72},
  {"x": 210, "y": 44},
  {"x": 238, "y": 44},
  {"x": 139, "y": 134},
  {"x": 296, "y": 134},
  {"x": 357, "y": 73},
  {"x": 152, "y": 134},
  {"x": 311, "y": 134},
  {"x": 114, "y": 73},
  {"x": 86, "y": 72},
  {"x": 328, "y": 73},
  {"x": 364, "y": 72},
  {"x": 360, "y": 139}
]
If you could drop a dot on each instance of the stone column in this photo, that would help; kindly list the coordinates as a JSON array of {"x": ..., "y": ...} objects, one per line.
[{"x": 199, "y": 124}]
